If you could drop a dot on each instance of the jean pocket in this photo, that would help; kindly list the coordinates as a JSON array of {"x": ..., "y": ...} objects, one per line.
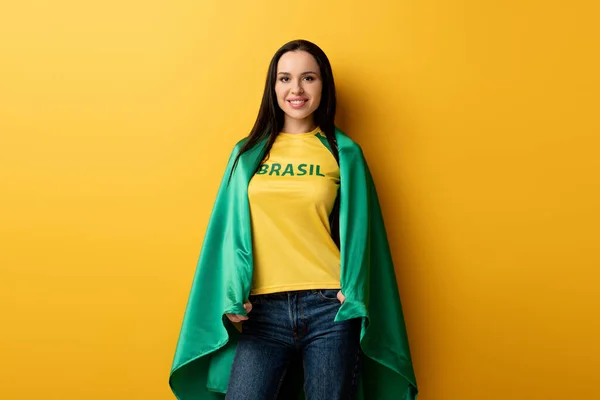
[{"x": 328, "y": 294}]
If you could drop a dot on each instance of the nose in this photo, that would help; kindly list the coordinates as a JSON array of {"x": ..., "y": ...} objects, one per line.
[{"x": 297, "y": 87}]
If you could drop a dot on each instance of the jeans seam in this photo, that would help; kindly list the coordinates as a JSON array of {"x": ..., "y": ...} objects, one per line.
[
  {"x": 355, "y": 375},
  {"x": 281, "y": 382},
  {"x": 302, "y": 320}
]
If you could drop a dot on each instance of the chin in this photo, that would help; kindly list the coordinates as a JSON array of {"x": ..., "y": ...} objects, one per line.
[{"x": 299, "y": 115}]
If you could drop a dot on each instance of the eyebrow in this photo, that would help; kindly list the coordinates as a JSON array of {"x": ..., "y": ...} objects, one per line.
[{"x": 304, "y": 73}]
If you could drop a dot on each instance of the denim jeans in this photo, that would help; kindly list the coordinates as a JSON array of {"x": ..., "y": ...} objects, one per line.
[{"x": 289, "y": 326}]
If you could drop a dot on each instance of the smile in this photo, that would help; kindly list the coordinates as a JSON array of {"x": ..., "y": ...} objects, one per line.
[{"x": 297, "y": 103}]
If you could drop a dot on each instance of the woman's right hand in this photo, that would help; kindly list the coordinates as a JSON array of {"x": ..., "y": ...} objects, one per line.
[{"x": 238, "y": 317}]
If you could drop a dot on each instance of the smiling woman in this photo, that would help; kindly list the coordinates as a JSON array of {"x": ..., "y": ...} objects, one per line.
[
  {"x": 298, "y": 89},
  {"x": 296, "y": 252}
]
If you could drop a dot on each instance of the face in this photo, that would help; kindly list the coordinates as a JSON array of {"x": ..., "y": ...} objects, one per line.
[{"x": 298, "y": 86}]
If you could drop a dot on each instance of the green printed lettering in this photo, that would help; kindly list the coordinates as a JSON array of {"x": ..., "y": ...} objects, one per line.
[
  {"x": 289, "y": 170},
  {"x": 263, "y": 169},
  {"x": 302, "y": 169},
  {"x": 275, "y": 169},
  {"x": 319, "y": 171},
  {"x": 312, "y": 169}
]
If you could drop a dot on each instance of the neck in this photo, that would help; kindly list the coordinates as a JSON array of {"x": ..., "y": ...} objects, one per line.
[{"x": 298, "y": 126}]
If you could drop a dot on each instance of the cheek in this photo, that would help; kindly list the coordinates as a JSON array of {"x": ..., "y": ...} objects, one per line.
[
  {"x": 280, "y": 94},
  {"x": 317, "y": 95}
]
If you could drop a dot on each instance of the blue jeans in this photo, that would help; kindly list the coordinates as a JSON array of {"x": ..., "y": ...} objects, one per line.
[{"x": 284, "y": 328}]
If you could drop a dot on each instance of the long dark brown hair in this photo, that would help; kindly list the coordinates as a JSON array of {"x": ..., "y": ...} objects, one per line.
[{"x": 269, "y": 121}]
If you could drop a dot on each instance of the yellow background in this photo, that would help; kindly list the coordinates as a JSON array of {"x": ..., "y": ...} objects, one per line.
[{"x": 479, "y": 120}]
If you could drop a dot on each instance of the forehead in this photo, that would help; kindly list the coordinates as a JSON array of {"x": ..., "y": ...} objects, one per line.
[{"x": 297, "y": 62}]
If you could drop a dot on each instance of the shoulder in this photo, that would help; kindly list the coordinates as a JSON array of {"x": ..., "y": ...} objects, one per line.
[
  {"x": 235, "y": 151},
  {"x": 238, "y": 146},
  {"x": 346, "y": 145}
]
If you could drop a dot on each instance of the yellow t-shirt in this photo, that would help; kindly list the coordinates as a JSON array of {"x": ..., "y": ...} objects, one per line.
[{"x": 291, "y": 197}]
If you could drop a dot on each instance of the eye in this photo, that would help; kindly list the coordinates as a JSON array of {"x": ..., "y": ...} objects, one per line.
[
  {"x": 309, "y": 78},
  {"x": 284, "y": 79}
]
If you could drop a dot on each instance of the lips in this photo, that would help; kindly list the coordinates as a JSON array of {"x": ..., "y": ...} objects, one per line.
[{"x": 297, "y": 102}]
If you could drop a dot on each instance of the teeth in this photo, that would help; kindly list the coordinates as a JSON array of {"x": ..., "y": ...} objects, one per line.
[{"x": 297, "y": 102}]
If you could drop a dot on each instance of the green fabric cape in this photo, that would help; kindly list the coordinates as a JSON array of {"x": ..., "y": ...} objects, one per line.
[{"x": 223, "y": 278}]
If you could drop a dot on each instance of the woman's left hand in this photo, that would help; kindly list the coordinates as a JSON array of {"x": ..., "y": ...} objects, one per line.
[{"x": 341, "y": 297}]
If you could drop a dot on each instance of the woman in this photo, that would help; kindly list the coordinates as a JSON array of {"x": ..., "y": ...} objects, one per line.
[{"x": 296, "y": 252}]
